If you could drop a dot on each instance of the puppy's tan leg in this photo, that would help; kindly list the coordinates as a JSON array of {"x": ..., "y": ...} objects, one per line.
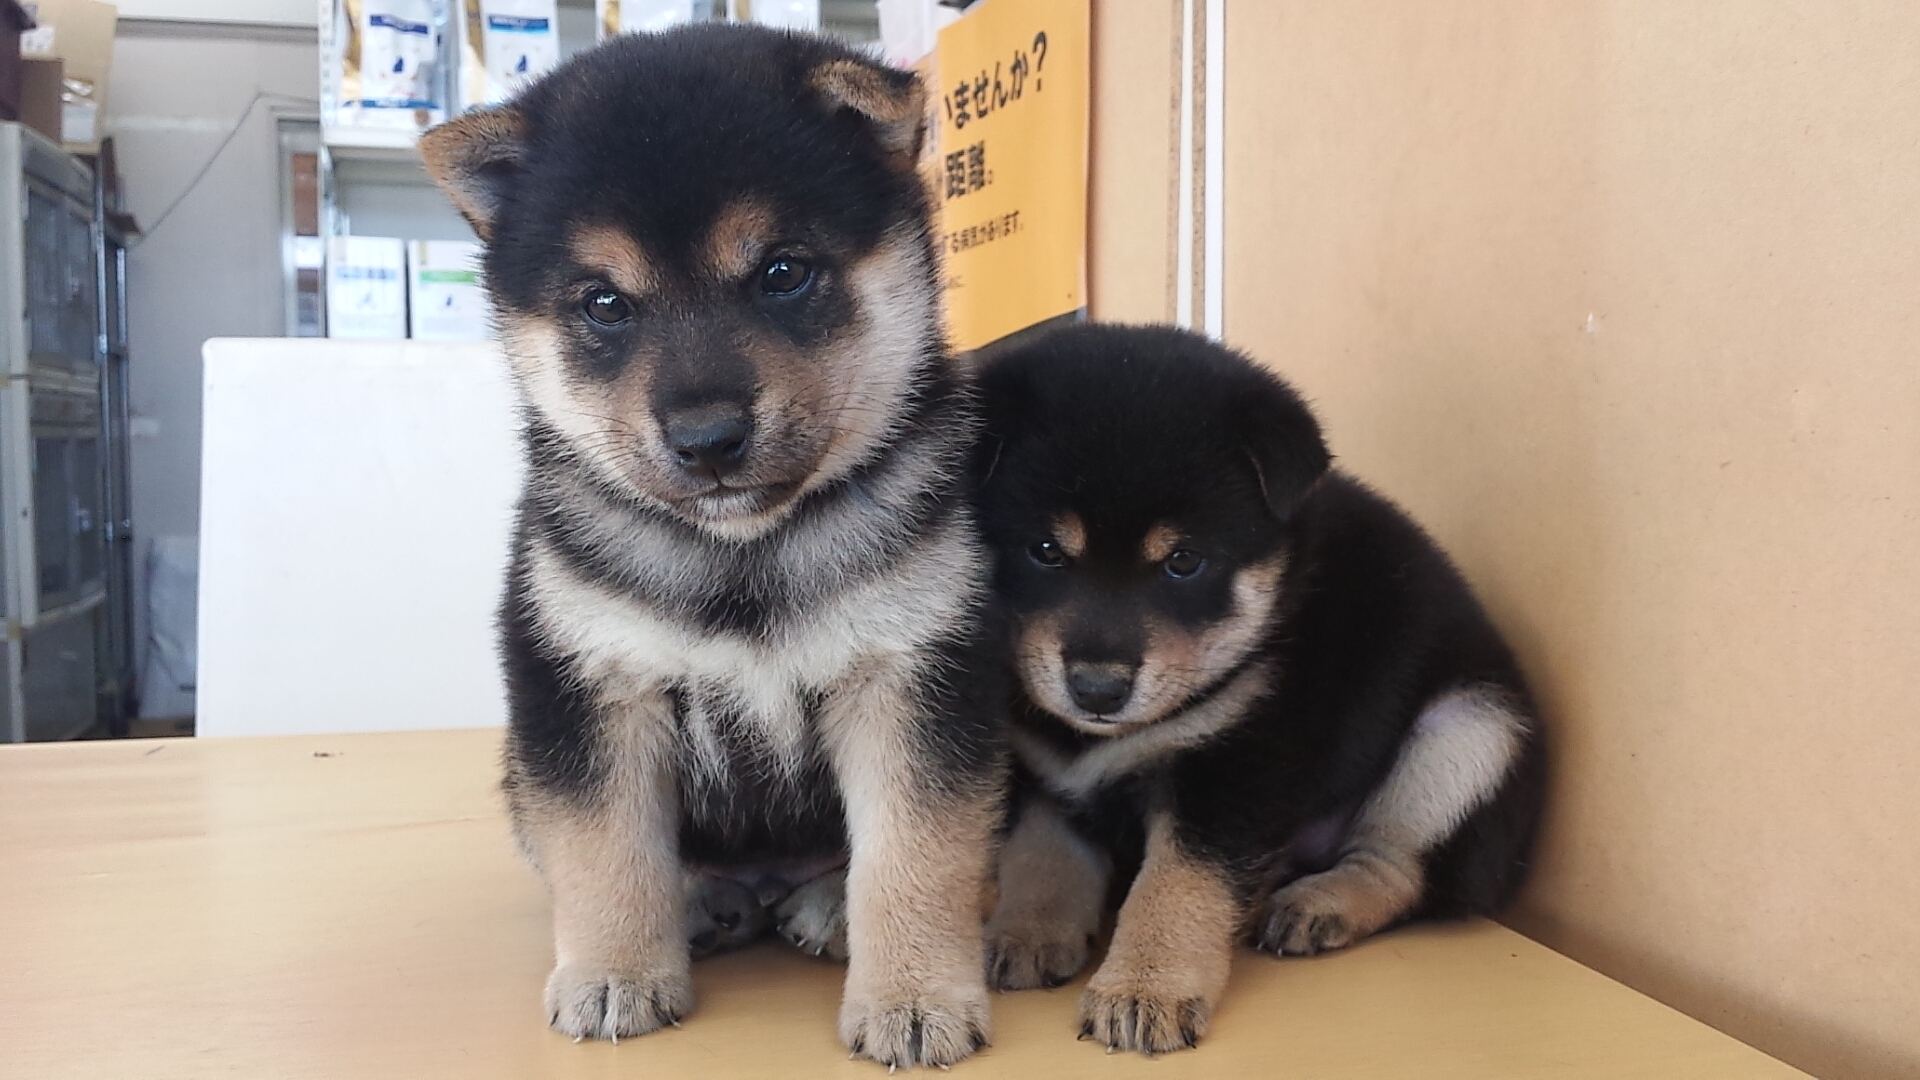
[
  {"x": 1171, "y": 952},
  {"x": 612, "y": 865},
  {"x": 1455, "y": 758},
  {"x": 1053, "y": 887},
  {"x": 921, "y": 849}
]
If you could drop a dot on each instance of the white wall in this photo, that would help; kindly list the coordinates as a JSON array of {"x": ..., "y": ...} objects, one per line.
[
  {"x": 279, "y": 12},
  {"x": 212, "y": 268}
]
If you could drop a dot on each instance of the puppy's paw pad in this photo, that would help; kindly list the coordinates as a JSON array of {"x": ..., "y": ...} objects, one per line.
[
  {"x": 1029, "y": 957},
  {"x": 1302, "y": 920},
  {"x": 722, "y": 915},
  {"x": 1134, "y": 1017},
  {"x": 814, "y": 917},
  {"x": 927, "y": 1031},
  {"x": 596, "y": 1004}
]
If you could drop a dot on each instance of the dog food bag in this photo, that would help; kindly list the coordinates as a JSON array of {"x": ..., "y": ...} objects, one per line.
[
  {"x": 625, "y": 16},
  {"x": 503, "y": 44},
  {"x": 382, "y": 64}
]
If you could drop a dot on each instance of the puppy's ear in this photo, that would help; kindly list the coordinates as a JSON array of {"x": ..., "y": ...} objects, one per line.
[
  {"x": 1001, "y": 392},
  {"x": 892, "y": 102},
  {"x": 474, "y": 159},
  {"x": 1283, "y": 445}
]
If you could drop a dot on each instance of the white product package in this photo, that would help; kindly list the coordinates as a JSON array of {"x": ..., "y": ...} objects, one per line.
[
  {"x": 167, "y": 671},
  {"x": 445, "y": 297},
  {"x": 627, "y": 16},
  {"x": 909, "y": 29},
  {"x": 366, "y": 287},
  {"x": 787, "y": 14},
  {"x": 382, "y": 64},
  {"x": 503, "y": 45}
]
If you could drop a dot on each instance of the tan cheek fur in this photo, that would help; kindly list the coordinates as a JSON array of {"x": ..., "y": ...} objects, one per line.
[
  {"x": 1178, "y": 664},
  {"x": 610, "y": 424},
  {"x": 853, "y": 404},
  {"x": 1037, "y": 648}
]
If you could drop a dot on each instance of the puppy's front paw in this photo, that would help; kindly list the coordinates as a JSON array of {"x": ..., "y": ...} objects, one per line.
[
  {"x": 937, "y": 1028},
  {"x": 1041, "y": 954},
  {"x": 1129, "y": 1014},
  {"x": 1310, "y": 916},
  {"x": 589, "y": 1003},
  {"x": 814, "y": 917}
]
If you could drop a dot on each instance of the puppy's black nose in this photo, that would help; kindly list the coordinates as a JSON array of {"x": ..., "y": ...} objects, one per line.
[
  {"x": 1100, "y": 688},
  {"x": 710, "y": 441}
]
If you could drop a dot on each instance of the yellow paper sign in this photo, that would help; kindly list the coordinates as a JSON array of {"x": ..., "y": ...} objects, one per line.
[{"x": 1009, "y": 168}]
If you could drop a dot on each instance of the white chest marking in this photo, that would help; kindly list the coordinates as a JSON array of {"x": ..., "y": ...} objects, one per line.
[
  {"x": 628, "y": 651},
  {"x": 1078, "y": 776}
]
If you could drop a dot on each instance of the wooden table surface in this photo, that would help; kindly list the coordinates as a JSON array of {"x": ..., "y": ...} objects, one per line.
[{"x": 351, "y": 907}]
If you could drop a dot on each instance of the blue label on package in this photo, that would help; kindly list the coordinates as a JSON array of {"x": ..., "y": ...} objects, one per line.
[
  {"x": 402, "y": 25},
  {"x": 517, "y": 24}
]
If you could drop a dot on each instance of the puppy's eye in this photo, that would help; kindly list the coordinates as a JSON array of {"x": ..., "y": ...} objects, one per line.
[
  {"x": 785, "y": 275},
  {"x": 606, "y": 307},
  {"x": 1048, "y": 554},
  {"x": 1183, "y": 564}
]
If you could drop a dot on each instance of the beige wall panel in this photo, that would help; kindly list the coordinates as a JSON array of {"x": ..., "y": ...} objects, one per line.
[
  {"x": 1623, "y": 301},
  {"x": 1136, "y": 57}
]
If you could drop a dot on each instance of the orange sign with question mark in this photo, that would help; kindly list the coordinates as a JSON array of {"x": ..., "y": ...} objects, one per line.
[{"x": 1009, "y": 164}]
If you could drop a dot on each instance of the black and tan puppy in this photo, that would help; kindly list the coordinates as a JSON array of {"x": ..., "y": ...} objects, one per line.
[
  {"x": 741, "y": 629},
  {"x": 1251, "y": 686}
]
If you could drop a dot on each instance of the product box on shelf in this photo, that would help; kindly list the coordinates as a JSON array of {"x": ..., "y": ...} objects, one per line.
[
  {"x": 445, "y": 301},
  {"x": 79, "y": 34},
  {"x": 381, "y": 66},
  {"x": 14, "y": 20},
  {"x": 41, "y": 87},
  {"x": 366, "y": 287},
  {"x": 502, "y": 45},
  {"x": 626, "y": 16}
]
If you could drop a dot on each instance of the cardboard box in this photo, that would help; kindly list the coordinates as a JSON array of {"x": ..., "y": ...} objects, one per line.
[
  {"x": 445, "y": 297},
  {"x": 366, "y": 287},
  {"x": 13, "y": 21},
  {"x": 40, "y": 88},
  {"x": 79, "y": 33}
]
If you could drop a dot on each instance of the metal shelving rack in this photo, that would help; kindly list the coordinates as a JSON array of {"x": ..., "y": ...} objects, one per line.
[
  {"x": 63, "y": 521},
  {"x": 116, "y": 686}
]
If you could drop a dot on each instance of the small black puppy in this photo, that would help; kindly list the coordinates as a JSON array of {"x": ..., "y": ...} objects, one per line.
[{"x": 1246, "y": 675}]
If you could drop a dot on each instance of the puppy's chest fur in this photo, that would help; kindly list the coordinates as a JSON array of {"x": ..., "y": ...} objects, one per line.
[{"x": 748, "y": 707}]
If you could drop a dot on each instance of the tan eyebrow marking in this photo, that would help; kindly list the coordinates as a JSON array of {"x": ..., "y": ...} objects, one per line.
[
  {"x": 611, "y": 251},
  {"x": 1071, "y": 534},
  {"x": 1161, "y": 541},
  {"x": 739, "y": 238}
]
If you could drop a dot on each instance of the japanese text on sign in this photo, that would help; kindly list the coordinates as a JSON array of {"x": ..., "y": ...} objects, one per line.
[{"x": 1008, "y": 167}]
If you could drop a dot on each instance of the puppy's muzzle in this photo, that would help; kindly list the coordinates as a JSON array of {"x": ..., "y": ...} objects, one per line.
[
  {"x": 1101, "y": 689},
  {"x": 710, "y": 442}
]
